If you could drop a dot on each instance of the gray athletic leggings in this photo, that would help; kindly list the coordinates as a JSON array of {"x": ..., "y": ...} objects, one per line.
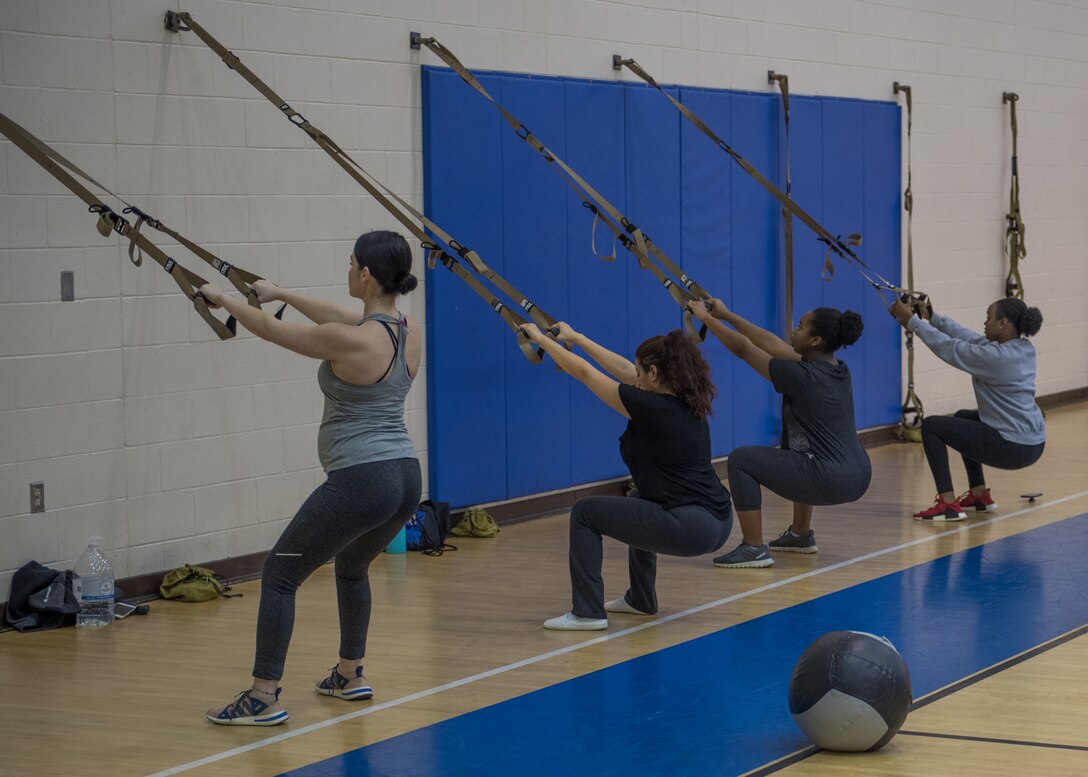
[
  {"x": 977, "y": 444},
  {"x": 648, "y": 529},
  {"x": 794, "y": 476},
  {"x": 352, "y": 516}
]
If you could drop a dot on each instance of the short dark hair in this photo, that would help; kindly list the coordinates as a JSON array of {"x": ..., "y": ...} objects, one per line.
[{"x": 387, "y": 255}]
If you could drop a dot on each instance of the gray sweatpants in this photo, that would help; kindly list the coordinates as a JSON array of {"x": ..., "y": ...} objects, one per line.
[
  {"x": 648, "y": 529},
  {"x": 794, "y": 476},
  {"x": 351, "y": 517}
]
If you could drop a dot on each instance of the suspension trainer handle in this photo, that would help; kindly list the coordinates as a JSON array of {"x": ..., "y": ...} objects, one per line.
[
  {"x": 108, "y": 220},
  {"x": 403, "y": 212}
]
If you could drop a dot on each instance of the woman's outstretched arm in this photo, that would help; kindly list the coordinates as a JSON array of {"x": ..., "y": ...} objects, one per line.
[
  {"x": 317, "y": 310},
  {"x": 332, "y": 341},
  {"x": 759, "y": 337},
  {"x": 758, "y": 359},
  {"x": 606, "y": 389},
  {"x": 614, "y": 364}
]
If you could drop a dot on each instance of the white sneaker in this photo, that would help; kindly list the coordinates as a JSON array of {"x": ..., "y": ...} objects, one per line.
[
  {"x": 570, "y": 622},
  {"x": 621, "y": 605}
]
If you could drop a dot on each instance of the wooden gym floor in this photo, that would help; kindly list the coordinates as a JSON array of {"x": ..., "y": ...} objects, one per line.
[{"x": 990, "y": 615}]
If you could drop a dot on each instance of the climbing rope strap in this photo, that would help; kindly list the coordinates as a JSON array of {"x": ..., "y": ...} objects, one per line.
[
  {"x": 684, "y": 290},
  {"x": 783, "y": 82},
  {"x": 838, "y": 245},
  {"x": 408, "y": 216},
  {"x": 910, "y": 421},
  {"x": 110, "y": 221},
  {"x": 1014, "y": 229}
]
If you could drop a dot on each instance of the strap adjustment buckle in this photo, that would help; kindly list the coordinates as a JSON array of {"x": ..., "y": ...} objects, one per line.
[
  {"x": 144, "y": 217},
  {"x": 108, "y": 221},
  {"x": 461, "y": 250}
]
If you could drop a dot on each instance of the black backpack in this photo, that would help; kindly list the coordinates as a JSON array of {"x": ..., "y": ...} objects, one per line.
[{"x": 426, "y": 531}]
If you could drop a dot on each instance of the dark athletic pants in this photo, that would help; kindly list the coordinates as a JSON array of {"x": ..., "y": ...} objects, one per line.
[
  {"x": 792, "y": 475},
  {"x": 649, "y": 529},
  {"x": 352, "y": 516},
  {"x": 976, "y": 443}
]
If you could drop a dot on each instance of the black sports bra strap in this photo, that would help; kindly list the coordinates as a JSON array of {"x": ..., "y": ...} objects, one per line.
[{"x": 396, "y": 349}]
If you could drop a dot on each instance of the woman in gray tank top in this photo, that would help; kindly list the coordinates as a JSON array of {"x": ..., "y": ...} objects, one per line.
[{"x": 373, "y": 480}]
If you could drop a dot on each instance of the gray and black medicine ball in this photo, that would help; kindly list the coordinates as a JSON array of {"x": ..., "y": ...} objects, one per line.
[{"x": 850, "y": 691}]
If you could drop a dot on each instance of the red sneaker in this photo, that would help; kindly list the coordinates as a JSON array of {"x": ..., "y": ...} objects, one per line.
[
  {"x": 981, "y": 504},
  {"x": 941, "y": 511}
]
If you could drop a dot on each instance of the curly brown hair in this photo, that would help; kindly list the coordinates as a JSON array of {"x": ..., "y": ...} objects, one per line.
[{"x": 682, "y": 368}]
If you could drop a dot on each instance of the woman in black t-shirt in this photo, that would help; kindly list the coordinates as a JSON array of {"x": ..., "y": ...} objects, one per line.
[
  {"x": 822, "y": 462},
  {"x": 681, "y": 507}
]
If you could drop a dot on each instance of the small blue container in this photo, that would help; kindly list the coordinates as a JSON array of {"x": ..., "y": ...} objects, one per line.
[{"x": 397, "y": 545}]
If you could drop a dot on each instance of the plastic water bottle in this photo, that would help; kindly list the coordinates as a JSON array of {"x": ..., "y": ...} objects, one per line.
[
  {"x": 398, "y": 544},
  {"x": 92, "y": 583}
]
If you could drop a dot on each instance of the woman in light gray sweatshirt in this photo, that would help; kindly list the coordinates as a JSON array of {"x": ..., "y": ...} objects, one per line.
[{"x": 1007, "y": 430}]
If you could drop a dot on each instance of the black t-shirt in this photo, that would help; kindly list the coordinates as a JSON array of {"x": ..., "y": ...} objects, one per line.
[
  {"x": 667, "y": 449},
  {"x": 818, "y": 410}
]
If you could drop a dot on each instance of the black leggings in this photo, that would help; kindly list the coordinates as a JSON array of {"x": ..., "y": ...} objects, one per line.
[
  {"x": 795, "y": 476},
  {"x": 351, "y": 517},
  {"x": 976, "y": 442},
  {"x": 648, "y": 529}
]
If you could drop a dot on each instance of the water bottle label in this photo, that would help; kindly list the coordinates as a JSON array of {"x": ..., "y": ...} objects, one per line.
[{"x": 92, "y": 589}]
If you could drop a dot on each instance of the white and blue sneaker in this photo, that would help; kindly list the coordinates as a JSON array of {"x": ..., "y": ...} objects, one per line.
[
  {"x": 343, "y": 688},
  {"x": 247, "y": 710}
]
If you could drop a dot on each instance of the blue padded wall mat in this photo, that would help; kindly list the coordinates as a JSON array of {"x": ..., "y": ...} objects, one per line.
[
  {"x": 598, "y": 292},
  {"x": 500, "y": 427},
  {"x": 707, "y": 236},
  {"x": 535, "y": 259}
]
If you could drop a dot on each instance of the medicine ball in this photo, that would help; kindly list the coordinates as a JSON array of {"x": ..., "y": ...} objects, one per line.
[{"x": 850, "y": 691}]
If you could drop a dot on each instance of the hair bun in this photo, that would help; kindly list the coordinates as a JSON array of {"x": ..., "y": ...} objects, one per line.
[
  {"x": 850, "y": 327},
  {"x": 1031, "y": 321},
  {"x": 406, "y": 282}
]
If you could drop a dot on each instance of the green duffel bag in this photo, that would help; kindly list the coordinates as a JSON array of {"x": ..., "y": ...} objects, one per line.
[
  {"x": 191, "y": 583},
  {"x": 475, "y": 523}
]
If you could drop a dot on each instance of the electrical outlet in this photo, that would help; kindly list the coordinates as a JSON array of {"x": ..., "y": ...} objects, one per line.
[
  {"x": 67, "y": 286},
  {"x": 37, "y": 497}
]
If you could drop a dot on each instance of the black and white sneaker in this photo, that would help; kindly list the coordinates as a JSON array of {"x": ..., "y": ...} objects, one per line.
[
  {"x": 788, "y": 542},
  {"x": 745, "y": 556}
]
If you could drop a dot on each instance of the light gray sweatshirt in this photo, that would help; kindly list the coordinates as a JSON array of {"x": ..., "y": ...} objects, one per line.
[{"x": 1003, "y": 375}]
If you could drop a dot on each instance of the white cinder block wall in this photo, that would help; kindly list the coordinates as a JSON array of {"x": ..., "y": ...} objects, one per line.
[{"x": 178, "y": 447}]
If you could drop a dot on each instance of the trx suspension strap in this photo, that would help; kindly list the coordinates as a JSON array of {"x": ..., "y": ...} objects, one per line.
[
  {"x": 394, "y": 204},
  {"x": 910, "y": 422},
  {"x": 1014, "y": 231},
  {"x": 241, "y": 279},
  {"x": 837, "y": 245},
  {"x": 635, "y": 240},
  {"x": 109, "y": 221},
  {"x": 783, "y": 82}
]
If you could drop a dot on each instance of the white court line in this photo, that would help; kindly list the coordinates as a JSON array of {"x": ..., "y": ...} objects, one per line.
[{"x": 596, "y": 641}]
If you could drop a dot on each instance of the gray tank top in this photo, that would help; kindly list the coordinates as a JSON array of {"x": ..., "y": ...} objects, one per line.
[{"x": 363, "y": 424}]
